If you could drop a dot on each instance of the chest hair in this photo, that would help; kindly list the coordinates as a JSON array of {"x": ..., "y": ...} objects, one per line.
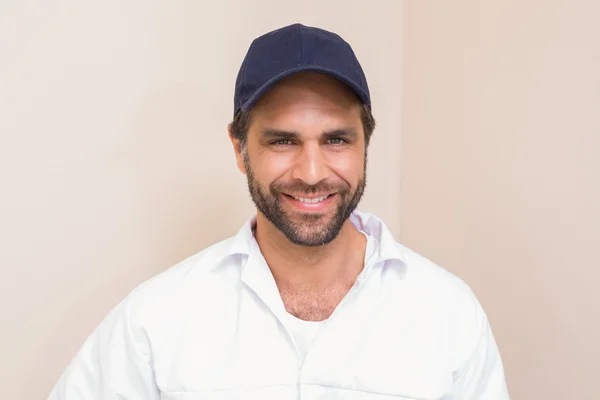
[{"x": 310, "y": 304}]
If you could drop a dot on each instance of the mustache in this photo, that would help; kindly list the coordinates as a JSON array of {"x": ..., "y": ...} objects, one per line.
[{"x": 301, "y": 187}]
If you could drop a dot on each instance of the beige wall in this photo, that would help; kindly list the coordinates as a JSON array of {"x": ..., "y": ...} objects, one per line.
[
  {"x": 501, "y": 174},
  {"x": 115, "y": 162}
]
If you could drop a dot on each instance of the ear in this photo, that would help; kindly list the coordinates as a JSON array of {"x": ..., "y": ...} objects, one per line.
[{"x": 237, "y": 148}]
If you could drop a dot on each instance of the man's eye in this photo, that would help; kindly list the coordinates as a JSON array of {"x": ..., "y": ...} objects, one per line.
[
  {"x": 281, "y": 142},
  {"x": 336, "y": 141}
]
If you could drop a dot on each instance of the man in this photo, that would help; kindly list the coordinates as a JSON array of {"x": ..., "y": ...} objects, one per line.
[{"x": 311, "y": 299}]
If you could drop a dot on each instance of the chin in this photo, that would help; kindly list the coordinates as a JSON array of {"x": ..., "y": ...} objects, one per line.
[{"x": 312, "y": 237}]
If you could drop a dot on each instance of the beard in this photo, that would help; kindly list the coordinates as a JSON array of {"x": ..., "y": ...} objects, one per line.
[{"x": 305, "y": 229}]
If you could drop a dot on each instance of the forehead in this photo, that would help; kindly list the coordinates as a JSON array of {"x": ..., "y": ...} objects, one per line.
[{"x": 306, "y": 99}]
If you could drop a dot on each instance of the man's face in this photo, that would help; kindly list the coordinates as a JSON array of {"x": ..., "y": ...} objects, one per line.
[{"x": 305, "y": 157}]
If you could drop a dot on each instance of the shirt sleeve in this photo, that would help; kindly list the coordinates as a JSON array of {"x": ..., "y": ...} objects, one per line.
[
  {"x": 482, "y": 375},
  {"x": 114, "y": 363}
]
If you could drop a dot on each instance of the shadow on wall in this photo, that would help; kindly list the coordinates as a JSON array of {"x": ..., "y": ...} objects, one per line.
[{"x": 180, "y": 192}]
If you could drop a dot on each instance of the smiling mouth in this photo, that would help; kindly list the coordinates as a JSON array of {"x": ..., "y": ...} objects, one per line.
[{"x": 310, "y": 200}]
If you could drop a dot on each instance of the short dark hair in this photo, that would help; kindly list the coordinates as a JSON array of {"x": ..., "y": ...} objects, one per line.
[{"x": 242, "y": 120}]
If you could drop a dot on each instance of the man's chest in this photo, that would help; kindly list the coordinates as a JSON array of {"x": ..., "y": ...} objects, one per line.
[
  {"x": 246, "y": 348},
  {"x": 312, "y": 305}
]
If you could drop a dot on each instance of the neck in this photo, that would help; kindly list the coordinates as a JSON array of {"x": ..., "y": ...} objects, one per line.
[{"x": 297, "y": 267}]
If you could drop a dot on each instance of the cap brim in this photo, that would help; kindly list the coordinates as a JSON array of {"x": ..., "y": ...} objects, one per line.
[{"x": 364, "y": 97}]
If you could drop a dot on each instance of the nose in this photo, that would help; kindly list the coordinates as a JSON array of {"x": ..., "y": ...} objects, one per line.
[{"x": 310, "y": 166}]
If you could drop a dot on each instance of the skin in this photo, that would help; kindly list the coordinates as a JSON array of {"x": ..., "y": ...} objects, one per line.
[{"x": 306, "y": 139}]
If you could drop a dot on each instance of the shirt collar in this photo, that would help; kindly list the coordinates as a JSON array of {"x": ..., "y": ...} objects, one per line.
[{"x": 388, "y": 248}]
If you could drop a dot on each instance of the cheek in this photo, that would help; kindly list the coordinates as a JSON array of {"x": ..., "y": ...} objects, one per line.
[
  {"x": 349, "y": 167},
  {"x": 271, "y": 166}
]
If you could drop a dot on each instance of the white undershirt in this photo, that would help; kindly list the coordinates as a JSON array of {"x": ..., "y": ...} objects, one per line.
[{"x": 305, "y": 332}]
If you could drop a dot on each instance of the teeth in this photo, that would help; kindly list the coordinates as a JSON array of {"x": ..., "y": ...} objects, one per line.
[{"x": 312, "y": 201}]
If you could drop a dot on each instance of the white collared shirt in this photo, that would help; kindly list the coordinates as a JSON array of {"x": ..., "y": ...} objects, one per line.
[{"x": 215, "y": 327}]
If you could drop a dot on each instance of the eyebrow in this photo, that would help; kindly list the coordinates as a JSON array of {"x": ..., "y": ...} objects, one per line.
[
  {"x": 348, "y": 133},
  {"x": 278, "y": 134}
]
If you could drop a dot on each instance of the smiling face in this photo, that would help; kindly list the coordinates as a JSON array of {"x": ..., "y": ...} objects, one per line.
[{"x": 305, "y": 157}]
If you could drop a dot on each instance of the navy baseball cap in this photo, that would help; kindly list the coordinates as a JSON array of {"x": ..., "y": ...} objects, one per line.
[{"x": 291, "y": 49}]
